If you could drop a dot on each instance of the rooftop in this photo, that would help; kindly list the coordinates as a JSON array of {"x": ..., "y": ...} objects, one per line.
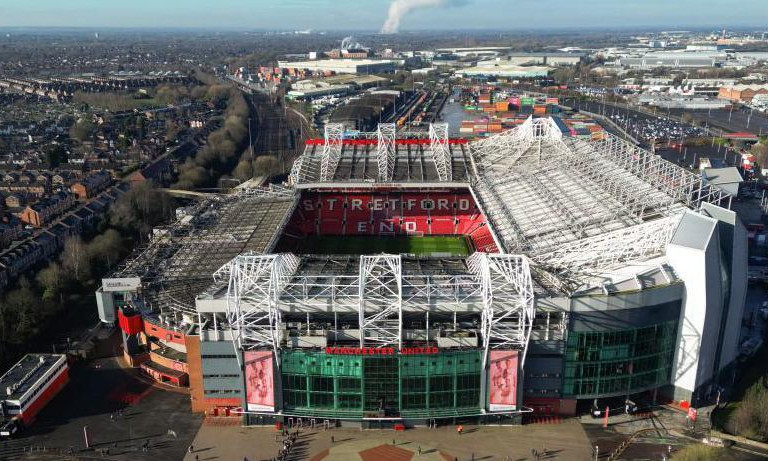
[
  {"x": 27, "y": 371},
  {"x": 180, "y": 259}
]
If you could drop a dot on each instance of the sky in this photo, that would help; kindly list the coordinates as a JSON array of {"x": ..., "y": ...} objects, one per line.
[{"x": 370, "y": 14}]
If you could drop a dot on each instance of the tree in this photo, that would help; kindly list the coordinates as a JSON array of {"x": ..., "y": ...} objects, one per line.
[
  {"x": 76, "y": 260},
  {"x": 51, "y": 280},
  {"x": 244, "y": 170},
  {"x": 137, "y": 211},
  {"x": 82, "y": 130},
  {"x": 22, "y": 313},
  {"x": 760, "y": 151},
  {"x": 266, "y": 165},
  {"x": 698, "y": 452},
  {"x": 750, "y": 419},
  {"x": 55, "y": 155},
  {"x": 106, "y": 248}
]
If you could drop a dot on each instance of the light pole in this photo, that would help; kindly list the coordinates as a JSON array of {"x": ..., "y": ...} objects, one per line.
[{"x": 250, "y": 140}]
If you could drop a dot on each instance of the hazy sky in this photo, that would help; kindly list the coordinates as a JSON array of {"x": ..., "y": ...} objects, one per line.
[{"x": 370, "y": 14}]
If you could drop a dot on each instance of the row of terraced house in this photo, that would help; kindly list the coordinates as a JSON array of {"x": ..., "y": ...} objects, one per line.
[{"x": 48, "y": 243}]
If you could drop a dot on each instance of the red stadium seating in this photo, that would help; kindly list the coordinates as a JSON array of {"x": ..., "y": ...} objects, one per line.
[{"x": 391, "y": 213}]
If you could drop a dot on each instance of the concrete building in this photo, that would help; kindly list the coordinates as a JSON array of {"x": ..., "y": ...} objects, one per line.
[{"x": 742, "y": 93}]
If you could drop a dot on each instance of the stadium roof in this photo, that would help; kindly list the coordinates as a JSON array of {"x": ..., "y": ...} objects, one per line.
[
  {"x": 180, "y": 260},
  {"x": 383, "y": 156},
  {"x": 587, "y": 214},
  {"x": 578, "y": 207}
]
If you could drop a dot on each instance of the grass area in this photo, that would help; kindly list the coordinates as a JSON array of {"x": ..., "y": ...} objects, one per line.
[
  {"x": 377, "y": 244},
  {"x": 753, "y": 370}
]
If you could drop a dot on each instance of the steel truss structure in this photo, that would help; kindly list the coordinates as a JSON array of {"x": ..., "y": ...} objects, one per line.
[
  {"x": 177, "y": 263},
  {"x": 441, "y": 153},
  {"x": 381, "y": 294},
  {"x": 574, "y": 205},
  {"x": 510, "y": 147},
  {"x": 613, "y": 249},
  {"x": 386, "y": 150},
  {"x": 508, "y": 301},
  {"x": 334, "y": 138},
  {"x": 254, "y": 286},
  {"x": 380, "y": 288}
]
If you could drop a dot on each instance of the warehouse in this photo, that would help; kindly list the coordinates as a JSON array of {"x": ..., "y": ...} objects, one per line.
[
  {"x": 500, "y": 69},
  {"x": 343, "y": 66}
]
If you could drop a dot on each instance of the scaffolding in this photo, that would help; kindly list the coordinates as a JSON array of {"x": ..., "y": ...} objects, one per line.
[
  {"x": 386, "y": 150},
  {"x": 441, "y": 153},
  {"x": 508, "y": 301},
  {"x": 255, "y": 284},
  {"x": 334, "y": 139},
  {"x": 381, "y": 294}
]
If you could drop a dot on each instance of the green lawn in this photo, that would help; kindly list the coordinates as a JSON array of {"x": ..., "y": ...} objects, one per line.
[{"x": 377, "y": 244}]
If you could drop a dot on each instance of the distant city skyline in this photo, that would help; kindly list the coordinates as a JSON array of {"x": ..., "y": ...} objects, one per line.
[{"x": 370, "y": 15}]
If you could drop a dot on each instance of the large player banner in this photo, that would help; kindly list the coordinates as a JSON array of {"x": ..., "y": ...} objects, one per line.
[
  {"x": 503, "y": 381},
  {"x": 259, "y": 381}
]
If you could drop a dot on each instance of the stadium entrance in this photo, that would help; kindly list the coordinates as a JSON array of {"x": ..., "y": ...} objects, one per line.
[{"x": 407, "y": 386}]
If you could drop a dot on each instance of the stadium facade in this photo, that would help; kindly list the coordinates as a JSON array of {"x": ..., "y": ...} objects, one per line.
[{"x": 597, "y": 270}]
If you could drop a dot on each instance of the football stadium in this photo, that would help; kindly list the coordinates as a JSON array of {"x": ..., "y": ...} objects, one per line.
[{"x": 402, "y": 279}]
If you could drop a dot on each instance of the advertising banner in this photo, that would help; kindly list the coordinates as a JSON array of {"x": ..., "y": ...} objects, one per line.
[
  {"x": 503, "y": 380},
  {"x": 259, "y": 381}
]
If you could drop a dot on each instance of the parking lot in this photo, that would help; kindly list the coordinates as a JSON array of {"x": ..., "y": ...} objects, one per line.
[{"x": 119, "y": 413}]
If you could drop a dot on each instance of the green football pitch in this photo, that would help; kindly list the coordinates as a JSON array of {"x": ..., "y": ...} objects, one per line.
[{"x": 454, "y": 245}]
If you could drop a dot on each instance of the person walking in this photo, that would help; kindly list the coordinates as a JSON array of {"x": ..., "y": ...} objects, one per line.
[
  {"x": 460, "y": 429},
  {"x": 419, "y": 450}
]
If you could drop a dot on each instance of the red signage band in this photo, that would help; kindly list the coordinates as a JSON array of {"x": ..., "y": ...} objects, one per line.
[{"x": 381, "y": 350}]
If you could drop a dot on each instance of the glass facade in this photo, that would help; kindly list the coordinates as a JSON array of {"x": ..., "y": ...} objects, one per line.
[
  {"x": 446, "y": 384},
  {"x": 618, "y": 362}
]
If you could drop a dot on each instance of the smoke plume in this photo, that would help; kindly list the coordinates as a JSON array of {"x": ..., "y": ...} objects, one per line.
[{"x": 398, "y": 9}]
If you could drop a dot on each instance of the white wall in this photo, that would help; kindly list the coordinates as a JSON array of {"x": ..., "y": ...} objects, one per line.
[{"x": 701, "y": 313}]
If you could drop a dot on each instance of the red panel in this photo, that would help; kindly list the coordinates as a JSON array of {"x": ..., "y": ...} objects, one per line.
[
  {"x": 131, "y": 324},
  {"x": 358, "y": 207},
  {"x": 44, "y": 397},
  {"x": 223, "y": 402},
  {"x": 331, "y": 227},
  {"x": 443, "y": 226},
  {"x": 162, "y": 333}
]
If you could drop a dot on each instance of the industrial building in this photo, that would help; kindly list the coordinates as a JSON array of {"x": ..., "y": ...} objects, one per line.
[
  {"x": 672, "y": 60},
  {"x": 742, "y": 93},
  {"x": 343, "y": 66},
  {"x": 545, "y": 59},
  {"x": 27, "y": 387},
  {"x": 596, "y": 270},
  {"x": 504, "y": 70}
]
